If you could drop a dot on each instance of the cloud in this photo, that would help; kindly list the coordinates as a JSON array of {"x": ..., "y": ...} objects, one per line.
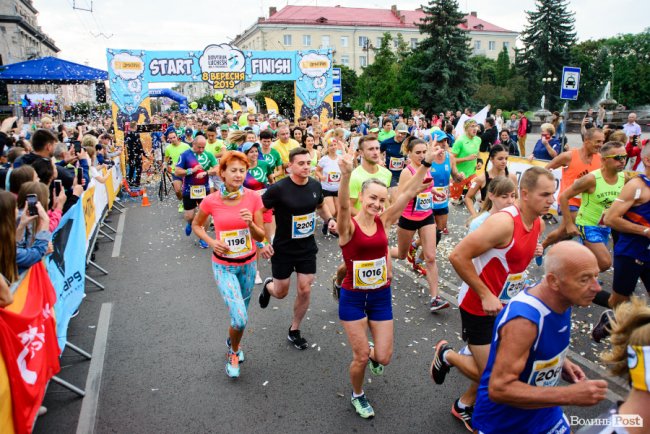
[{"x": 127, "y": 66}]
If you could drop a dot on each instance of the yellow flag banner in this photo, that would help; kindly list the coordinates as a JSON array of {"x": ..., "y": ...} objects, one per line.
[
  {"x": 236, "y": 107},
  {"x": 271, "y": 106}
]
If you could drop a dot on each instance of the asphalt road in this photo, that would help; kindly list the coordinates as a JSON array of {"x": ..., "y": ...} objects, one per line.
[{"x": 164, "y": 366}]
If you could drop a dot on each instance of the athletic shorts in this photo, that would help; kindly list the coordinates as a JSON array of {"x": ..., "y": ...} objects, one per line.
[
  {"x": 283, "y": 266},
  {"x": 477, "y": 330},
  {"x": 594, "y": 234},
  {"x": 627, "y": 271},
  {"x": 176, "y": 178},
  {"x": 394, "y": 180},
  {"x": 327, "y": 193},
  {"x": 441, "y": 211},
  {"x": 376, "y": 305},
  {"x": 190, "y": 204},
  {"x": 414, "y": 225}
]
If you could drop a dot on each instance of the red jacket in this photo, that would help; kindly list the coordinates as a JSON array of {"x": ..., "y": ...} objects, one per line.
[{"x": 523, "y": 124}]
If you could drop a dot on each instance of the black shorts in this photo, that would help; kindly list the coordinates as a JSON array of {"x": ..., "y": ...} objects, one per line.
[
  {"x": 477, "y": 330},
  {"x": 441, "y": 211},
  {"x": 330, "y": 193},
  {"x": 190, "y": 204},
  {"x": 414, "y": 225},
  {"x": 627, "y": 272},
  {"x": 283, "y": 266}
]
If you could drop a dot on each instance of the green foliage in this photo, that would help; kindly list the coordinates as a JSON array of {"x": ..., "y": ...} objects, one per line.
[
  {"x": 349, "y": 82},
  {"x": 484, "y": 68},
  {"x": 282, "y": 92},
  {"x": 443, "y": 70},
  {"x": 502, "y": 68},
  {"x": 547, "y": 42}
]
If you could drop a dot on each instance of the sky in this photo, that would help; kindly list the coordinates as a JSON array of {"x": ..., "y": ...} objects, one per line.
[{"x": 83, "y": 36}]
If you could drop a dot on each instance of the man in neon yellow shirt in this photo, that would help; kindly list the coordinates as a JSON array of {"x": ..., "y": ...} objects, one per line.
[
  {"x": 284, "y": 145},
  {"x": 386, "y": 131},
  {"x": 213, "y": 145},
  {"x": 173, "y": 152}
]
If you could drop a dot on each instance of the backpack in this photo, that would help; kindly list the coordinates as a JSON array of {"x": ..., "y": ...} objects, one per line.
[{"x": 529, "y": 126}]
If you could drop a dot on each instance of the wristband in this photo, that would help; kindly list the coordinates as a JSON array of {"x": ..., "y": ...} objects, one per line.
[{"x": 188, "y": 171}]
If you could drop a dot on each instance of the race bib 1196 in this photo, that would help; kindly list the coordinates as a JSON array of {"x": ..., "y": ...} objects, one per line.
[{"x": 238, "y": 241}]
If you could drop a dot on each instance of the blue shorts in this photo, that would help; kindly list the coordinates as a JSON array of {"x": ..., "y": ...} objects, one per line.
[
  {"x": 573, "y": 208},
  {"x": 356, "y": 305},
  {"x": 594, "y": 234},
  {"x": 627, "y": 272},
  {"x": 176, "y": 178}
]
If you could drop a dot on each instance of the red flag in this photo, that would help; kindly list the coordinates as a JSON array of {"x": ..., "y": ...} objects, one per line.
[{"x": 28, "y": 344}]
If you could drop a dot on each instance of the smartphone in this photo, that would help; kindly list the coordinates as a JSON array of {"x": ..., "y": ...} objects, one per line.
[
  {"x": 80, "y": 176},
  {"x": 77, "y": 146},
  {"x": 31, "y": 204},
  {"x": 57, "y": 187}
]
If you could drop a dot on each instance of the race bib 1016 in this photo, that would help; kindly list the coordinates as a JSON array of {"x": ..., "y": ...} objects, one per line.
[{"x": 371, "y": 274}]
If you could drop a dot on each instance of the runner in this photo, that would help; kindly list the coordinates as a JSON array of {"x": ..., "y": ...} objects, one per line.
[
  {"x": 392, "y": 149},
  {"x": 237, "y": 215},
  {"x": 511, "y": 237},
  {"x": 369, "y": 150},
  {"x": 418, "y": 217},
  {"x": 442, "y": 169},
  {"x": 519, "y": 389},
  {"x": 173, "y": 152},
  {"x": 283, "y": 146},
  {"x": 295, "y": 200},
  {"x": 329, "y": 174},
  {"x": 629, "y": 215},
  {"x": 576, "y": 163},
  {"x": 194, "y": 166},
  {"x": 366, "y": 301},
  {"x": 498, "y": 158},
  {"x": 270, "y": 155},
  {"x": 465, "y": 150},
  {"x": 598, "y": 190},
  {"x": 501, "y": 194}
]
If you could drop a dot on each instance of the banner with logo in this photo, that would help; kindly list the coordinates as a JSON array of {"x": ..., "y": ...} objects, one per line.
[
  {"x": 28, "y": 347},
  {"x": 67, "y": 268}
]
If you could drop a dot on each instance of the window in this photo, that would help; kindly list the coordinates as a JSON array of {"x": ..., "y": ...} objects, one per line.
[
  {"x": 363, "y": 41},
  {"x": 414, "y": 43},
  {"x": 378, "y": 42},
  {"x": 286, "y": 40},
  {"x": 345, "y": 60},
  {"x": 325, "y": 41},
  {"x": 395, "y": 43},
  {"x": 363, "y": 61},
  {"x": 492, "y": 45},
  {"x": 477, "y": 45},
  {"x": 344, "y": 41},
  {"x": 306, "y": 40},
  {"x": 506, "y": 45}
]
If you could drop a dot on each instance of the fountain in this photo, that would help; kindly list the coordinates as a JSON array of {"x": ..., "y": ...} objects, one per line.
[{"x": 542, "y": 114}]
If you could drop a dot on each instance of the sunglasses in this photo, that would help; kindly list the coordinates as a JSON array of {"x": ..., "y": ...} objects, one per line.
[{"x": 619, "y": 158}]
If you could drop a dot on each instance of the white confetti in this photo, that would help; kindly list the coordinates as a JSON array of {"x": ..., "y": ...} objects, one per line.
[{"x": 265, "y": 383}]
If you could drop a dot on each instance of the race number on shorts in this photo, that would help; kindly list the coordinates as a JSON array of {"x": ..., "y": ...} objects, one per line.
[
  {"x": 302, "y": 226},
  {"x": 371, "y": 274},
  {"x": 238, "y": 242}
]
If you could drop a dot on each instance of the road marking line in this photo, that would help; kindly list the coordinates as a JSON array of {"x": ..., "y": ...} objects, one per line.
[
  {"x": 117, "y": 245},
  {"x": 577, "y": 358},
  {"x": 90, "y": 403}
]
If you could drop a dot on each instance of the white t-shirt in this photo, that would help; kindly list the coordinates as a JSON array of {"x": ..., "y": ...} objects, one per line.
[{"x": 332, "y": 173}]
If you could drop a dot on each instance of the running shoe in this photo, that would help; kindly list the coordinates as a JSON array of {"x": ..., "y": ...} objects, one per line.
[
  {"x": 203, "y": 244},
  {"x": 464, "y": 414},
  {"x": 419, "y": 268},
  {"x": 439, "y": 368},
  {"x": 232, "y": 364},
  {"x": 375, "y": 368},
  {"x": 362, "y": 406},
  {"x": 445, "y": 231},
  {"x": 438, "y": 303},
  {"x": 297, "y": 340},
  {"x": 336, "y": 289},
  {"x": 240, "y": 353},
  {"x": 258, "y": 278},
  {"x": 188, "y": 229},
  {"x": 265, "y": 296},
  {"x": 181, "y": 208},
  {"x": 602, "y": 329},
  {"x": 410, "y": 256}
]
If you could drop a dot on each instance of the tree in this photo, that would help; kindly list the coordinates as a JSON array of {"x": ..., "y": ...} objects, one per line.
[
  {"x": 502, "y": 68},
  {"x": 377, "y": 84},
  {"x": 349, "y": 81},
  {"x": 484, "y": 68},
  {"x": 547, "y": 41},
  {"x": 282, "y": 92},
  {"x": 443, "y": 64}
]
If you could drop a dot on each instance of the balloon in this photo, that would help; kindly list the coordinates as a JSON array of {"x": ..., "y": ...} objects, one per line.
[
  {"x": 194, "y": 105},
  {"x": 218, "y": 96}
]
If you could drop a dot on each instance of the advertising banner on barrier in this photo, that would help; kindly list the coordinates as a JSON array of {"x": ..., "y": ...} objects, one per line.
[
  {"x": 28, "y": 347},
  {"x": 67, "y": 268}
]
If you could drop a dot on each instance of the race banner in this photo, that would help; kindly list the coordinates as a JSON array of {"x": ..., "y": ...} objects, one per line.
[
  {"x": 28, "y": 347},
  {"x": 67, "y": 268}
]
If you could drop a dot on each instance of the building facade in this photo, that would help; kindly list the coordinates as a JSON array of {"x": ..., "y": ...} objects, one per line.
[{"x": 354, "y": 33}]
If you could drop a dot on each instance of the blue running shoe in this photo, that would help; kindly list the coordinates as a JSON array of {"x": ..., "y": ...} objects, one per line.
[
  {"x": 203, "y": 244},
  {"x": 188, "y": 229}
]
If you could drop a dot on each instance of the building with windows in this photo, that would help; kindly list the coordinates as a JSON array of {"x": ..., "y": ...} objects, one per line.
[{"x": 353, "y": 33}]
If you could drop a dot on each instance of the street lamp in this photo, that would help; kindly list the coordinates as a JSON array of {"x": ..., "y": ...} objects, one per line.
[
  {"x": 611, "y": 81},
  {"x": 550, "y": 78}
]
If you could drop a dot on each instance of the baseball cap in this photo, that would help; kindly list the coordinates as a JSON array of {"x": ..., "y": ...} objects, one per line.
[
  {"x": 402, "y": 128},
  {"x": 188, "y": 131},
  {"x": 439, "y": 135},
  {"x": 223, "y": 127},
  {"x": 248, "y": 145}
]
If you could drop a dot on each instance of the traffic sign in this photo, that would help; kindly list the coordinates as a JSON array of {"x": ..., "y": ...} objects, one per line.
[
  {"x": 336, "y": 84},
  {"x": 570, "y": 82}
]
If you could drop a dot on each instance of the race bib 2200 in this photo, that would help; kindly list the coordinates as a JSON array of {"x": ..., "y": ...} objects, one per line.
[{"x": 302, "y": 226}]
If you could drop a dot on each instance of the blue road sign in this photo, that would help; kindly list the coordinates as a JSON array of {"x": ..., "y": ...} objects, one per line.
[
  {"x": 336, "y": 82},
  {"x": 570, "y": 82}
]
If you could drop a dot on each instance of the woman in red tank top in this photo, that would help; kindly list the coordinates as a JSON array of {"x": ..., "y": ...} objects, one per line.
[{"x": 365, "y": 300}]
